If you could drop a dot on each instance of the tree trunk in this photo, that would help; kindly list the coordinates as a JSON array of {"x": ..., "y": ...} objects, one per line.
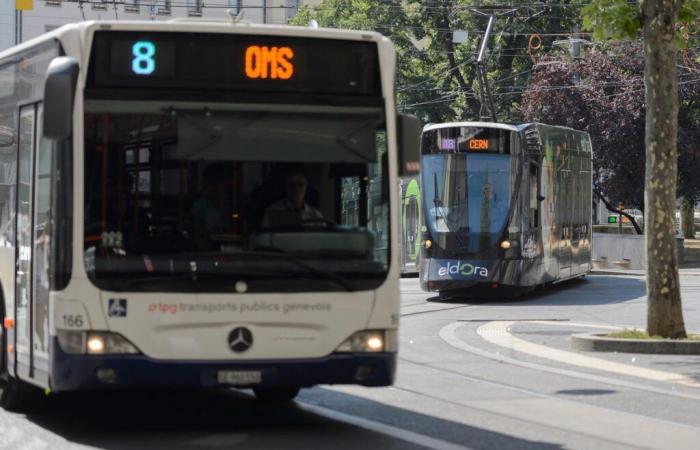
[
  {"x": 664, "y": 312},
  {"x": 687, "y": 218}
]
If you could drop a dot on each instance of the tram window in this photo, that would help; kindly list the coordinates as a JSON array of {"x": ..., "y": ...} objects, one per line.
[{"x": 534, "y": 196}]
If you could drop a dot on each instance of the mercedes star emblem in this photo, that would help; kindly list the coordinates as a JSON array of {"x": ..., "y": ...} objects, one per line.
[{"x": 240, "y": 339}]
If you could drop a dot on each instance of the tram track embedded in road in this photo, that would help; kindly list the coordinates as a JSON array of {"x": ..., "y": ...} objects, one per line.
[
  {"x": 532, "y": 393},
  {"x": 414, "y": 313},
  {"x": 509, "y": 417}
]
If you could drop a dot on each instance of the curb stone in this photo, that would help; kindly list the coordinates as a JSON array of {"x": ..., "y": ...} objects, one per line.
[{"x": 596, "y": 342}]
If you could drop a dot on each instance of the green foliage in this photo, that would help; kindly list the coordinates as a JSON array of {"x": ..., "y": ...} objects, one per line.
[
  {"x": 612, "y": 19},
  {"x": 620, "y": 19},
  {"x": 436, "y": 76},
  {"x": 639, "y": 334},
  {"x": 689, "y": 13}
]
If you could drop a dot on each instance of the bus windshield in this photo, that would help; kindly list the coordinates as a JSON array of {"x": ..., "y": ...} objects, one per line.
[
  {"x": 467, "y": 194},
  {"x": 186, "y": 196}
]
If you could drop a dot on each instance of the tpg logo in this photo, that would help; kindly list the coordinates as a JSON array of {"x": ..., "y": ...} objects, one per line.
[{"x": 460, "y": 268}]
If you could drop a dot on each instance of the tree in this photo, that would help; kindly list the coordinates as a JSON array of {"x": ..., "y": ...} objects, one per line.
[
  {"x": 599, "y": 94},
  {"x": 603, "y": 93},
  {"x": 657, "y": 20},
  {"x": 435, "y": 74}
]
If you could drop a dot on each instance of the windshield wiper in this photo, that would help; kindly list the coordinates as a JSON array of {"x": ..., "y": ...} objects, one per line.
[
  {"x": 440, "y": 213},
  {"x": 320, "y": 273}
]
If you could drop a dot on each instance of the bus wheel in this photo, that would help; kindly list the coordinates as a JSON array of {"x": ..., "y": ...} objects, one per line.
[
  {"x": 14, "y": 393},
  {"x": 276, "y": 395}
]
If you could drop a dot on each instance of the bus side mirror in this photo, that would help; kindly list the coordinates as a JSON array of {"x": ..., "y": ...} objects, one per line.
[
  {"x": 59, "y": 94},
  {"x": 409, "y": 129}
]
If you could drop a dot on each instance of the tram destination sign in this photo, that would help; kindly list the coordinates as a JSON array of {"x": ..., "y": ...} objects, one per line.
[
  {"x": 466, "y": 140},
  {"x": 233, "y": 62}
]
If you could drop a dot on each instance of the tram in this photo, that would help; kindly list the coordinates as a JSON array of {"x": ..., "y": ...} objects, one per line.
[
  {"x": 411, "y": 212},
  {"x": 506, "y": 208}
]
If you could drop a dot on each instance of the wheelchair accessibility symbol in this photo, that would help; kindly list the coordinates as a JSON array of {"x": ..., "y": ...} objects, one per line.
[{"x": 117, "y": 307}]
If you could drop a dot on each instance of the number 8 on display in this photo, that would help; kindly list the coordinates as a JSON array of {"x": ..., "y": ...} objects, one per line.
[{"x": 143, "y": 62}]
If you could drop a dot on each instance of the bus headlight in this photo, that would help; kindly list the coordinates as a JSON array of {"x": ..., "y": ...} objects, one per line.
[
  {"x": 94, "y": 343},
  {"x": 370, "y": 341}
]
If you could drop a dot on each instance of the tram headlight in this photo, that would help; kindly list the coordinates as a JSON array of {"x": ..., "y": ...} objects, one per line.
[
  {"x": 505, "y": 245},
  {"x": 370, "y": 341},
  {"x": 427, "y": 243},
  {"x": 94, "y": 343}
]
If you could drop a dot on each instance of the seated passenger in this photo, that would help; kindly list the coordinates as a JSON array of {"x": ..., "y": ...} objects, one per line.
[{"x": 292, "y": 209}]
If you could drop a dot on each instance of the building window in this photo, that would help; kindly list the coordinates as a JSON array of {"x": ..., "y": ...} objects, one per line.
[
  {"x": 131, "y": 5},
  {"x": 194, "y": 7},
  {"x": 53, "y": 2},
  {"x": 164, "y": 7},
  {"x": 292, "y": 7},
  {"x": 235, "y": 6},
  {"x": 99, "y": 4}
]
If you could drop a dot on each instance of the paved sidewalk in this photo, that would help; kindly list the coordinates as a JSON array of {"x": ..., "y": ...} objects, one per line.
[
  {"x": 552, "y": 341},
  {"x": 690, "y": 271}
]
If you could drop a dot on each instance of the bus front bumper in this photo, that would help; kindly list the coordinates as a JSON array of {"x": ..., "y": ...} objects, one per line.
[{"x": 77, "y": 372}]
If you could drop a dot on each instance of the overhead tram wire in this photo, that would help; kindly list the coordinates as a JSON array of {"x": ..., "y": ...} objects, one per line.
[
  {"x": 452, "y": 95},
  {"x": 403, "y": 88}
]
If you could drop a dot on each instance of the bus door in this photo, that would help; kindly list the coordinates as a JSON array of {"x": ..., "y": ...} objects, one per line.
[
  {"x": 23, "y": 257},
  {"x": 32, "y": 283},
  {"x": 42, "y": 182},
  {"x": 565, "y": 210}
]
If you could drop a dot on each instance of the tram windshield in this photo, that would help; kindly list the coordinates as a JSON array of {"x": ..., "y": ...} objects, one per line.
[
  {"x": 467, "y": 194},
  {"x": 234, "y": 198}
]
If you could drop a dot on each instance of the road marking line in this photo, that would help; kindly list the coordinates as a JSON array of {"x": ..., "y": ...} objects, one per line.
[
  {"x": 449, "y": 335},
  {"x": 497, "y": 332},
  {"x": 377, "y": 427}
]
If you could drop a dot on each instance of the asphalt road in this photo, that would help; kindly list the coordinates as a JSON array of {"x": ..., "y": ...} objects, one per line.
[{"x": 491, "y": 375}]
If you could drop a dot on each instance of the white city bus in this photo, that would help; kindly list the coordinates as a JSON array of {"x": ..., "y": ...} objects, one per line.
[{"x": 199, "y": 204}]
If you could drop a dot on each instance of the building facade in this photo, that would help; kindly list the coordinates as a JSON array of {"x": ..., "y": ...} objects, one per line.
[{"x": 45, "y": 15}]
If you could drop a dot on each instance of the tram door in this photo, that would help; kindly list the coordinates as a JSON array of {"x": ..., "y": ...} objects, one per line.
[
  {"x": 577, "y": 210},
  {"x": 565, "y": 220}
]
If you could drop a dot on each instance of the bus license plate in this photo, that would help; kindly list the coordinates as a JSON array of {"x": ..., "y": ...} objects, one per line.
[{"x": 239, "y": 377}]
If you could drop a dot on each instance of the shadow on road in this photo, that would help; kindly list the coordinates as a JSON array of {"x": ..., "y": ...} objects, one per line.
[
  {"x": 231, "y": 419},
  {"x": 597, "y": 290}
]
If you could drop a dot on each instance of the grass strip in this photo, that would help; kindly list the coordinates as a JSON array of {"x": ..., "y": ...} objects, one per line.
[{"x": 641, "y": 334}]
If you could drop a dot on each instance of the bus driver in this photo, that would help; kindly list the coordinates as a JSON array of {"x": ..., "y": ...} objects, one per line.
[{"x": 292, "y": 205}]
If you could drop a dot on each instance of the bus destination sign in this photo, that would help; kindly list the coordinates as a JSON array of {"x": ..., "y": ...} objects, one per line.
[
  {"x": 262, "y": 62},
  {"x": 233, "y": 62}
]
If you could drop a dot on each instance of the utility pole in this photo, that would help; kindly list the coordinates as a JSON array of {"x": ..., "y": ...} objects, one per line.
[
  {"x": 487, "y": 110},
  {"x": 576, "y": 51},
  {"x": 576, "y": 42},
  {"x": 18, "y": 26}
]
